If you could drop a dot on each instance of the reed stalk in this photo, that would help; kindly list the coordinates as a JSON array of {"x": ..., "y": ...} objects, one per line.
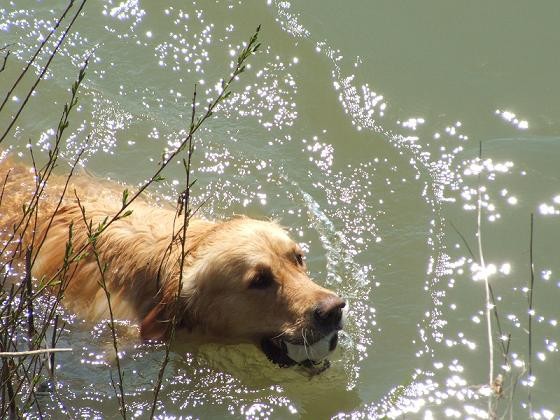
[
  {"x": 45, "y": 67},
  {"x": 531, "y": 313},
  {"x": 183, "y": 202}
]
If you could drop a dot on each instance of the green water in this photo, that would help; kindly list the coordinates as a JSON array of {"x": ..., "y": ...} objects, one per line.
[{"x": 358, "y": 125}]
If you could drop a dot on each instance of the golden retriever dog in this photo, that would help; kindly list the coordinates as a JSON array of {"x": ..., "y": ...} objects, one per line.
[{"x": 243, "y": 280}]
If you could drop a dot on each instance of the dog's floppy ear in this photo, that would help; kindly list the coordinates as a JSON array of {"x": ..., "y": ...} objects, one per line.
[{"x": 155, "y": 325}]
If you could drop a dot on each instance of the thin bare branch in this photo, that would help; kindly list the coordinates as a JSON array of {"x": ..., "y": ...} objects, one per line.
[
  {"x": 34, "y": 352},
  {"x": 32, "y": 60},
  {"x": 183, "y": 202},
  {"x": 4, "y": 61},
  {"x": 487, "y": 308},
  {"x": 43, "y": 71},
  {"x": 4, "y": 186},
  {"x": 531, "y": 314},
  {"x": 92, "y": 240}
]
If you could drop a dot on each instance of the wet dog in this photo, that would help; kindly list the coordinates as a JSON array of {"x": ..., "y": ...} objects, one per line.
[{"x": 242, "y": 280}]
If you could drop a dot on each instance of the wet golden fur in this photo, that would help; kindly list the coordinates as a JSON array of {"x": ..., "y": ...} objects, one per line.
[{"x": 219, "y": 297}]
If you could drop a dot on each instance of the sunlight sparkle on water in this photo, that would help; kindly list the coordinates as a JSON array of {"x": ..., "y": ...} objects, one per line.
[
  {"x": 505, "y": 268},
  {"x": 512, "y": 119},
  {"x": 546, "y": 274},
  {"x": 125, "y": 10},
  {"x": 476, "y": 167},
  {"x": 481, "y": 273},
  {"x": 547, "y": 414},
  {"x": 413, "y": 123},
  {"x": 547, "y": 210}
]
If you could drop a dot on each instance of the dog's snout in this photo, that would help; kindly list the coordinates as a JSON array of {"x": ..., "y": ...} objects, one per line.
[{"x": 328, "y": 311}]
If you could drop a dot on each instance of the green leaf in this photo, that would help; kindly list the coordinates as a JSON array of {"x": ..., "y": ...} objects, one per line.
[{"x": 124, "y": 196}]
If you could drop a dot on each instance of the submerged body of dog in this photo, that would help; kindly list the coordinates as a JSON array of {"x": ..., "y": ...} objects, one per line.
[{"x": 243, "y": 280}]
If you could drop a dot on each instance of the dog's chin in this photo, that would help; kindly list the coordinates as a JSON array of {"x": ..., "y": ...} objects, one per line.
[{"x": 286, "y": 353}]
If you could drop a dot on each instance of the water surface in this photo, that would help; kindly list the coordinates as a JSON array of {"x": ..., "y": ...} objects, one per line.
[{"x": 367, "y": 128}]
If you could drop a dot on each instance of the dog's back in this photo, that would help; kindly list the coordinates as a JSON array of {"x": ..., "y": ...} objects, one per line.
[{"x": 48, "y": 220}]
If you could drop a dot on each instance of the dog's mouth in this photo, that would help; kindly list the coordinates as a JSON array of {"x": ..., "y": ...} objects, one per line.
[
  {"x": 289, "y": 353},
  {"x": 308, "y": 346}
]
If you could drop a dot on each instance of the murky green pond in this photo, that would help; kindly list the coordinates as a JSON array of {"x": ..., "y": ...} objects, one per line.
[{"x": 359, "y": 125}]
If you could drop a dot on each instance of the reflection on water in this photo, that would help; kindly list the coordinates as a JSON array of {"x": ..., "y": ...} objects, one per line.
[{"x": 385, "y": 204}]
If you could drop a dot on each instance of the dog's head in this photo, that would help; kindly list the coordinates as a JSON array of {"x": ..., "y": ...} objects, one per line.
[{"x": 248, "y": 282}]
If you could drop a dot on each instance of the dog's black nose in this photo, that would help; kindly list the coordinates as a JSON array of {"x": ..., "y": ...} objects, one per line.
[{"x": 328, "y": 312}]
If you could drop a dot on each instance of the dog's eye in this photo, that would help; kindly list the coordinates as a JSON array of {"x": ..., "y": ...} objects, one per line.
[
  {"x": 262, "y": 280},
  {"x": 299, "y": 258}
]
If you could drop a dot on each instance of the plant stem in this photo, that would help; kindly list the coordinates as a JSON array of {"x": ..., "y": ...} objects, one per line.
[
  {"x": 183, "y": 202},
  {"x": 530, "y": 326},
  {"x": 486, "y": 287},
  {"x": 33, "y": 352},
  {"x": 22, "y": 74},
  {"x": 43, "y": 71},
  {"x": 93, "y": 236}
]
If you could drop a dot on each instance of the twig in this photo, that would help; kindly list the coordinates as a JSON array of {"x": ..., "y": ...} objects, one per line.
[
  {"x": 53, "y": 344},
  {"x": 22, "y": 74},
  {"x": 4, "y": 186},
  {"x": 33, "y": 352},
  {"x": 487, "y": 287},
  {"x": 184, "y": 197},
  {"x": 32, "y": 399},
  {"x": 26, "y": 372},
  {"x": 4, "y": 60},
  {"x": 251, "y": 48},
  {"x": 530, "y": 326},
  {"x": 28, "y": 295},
  {"x": 182, "y": 206},
  {"x": 505, "y": 348},
  {"x": 92, "y": 240},
  {"x": 43, "y": 71},
  {"x": 6, "y": 376},
  {"x": 465, "y": 242}
]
